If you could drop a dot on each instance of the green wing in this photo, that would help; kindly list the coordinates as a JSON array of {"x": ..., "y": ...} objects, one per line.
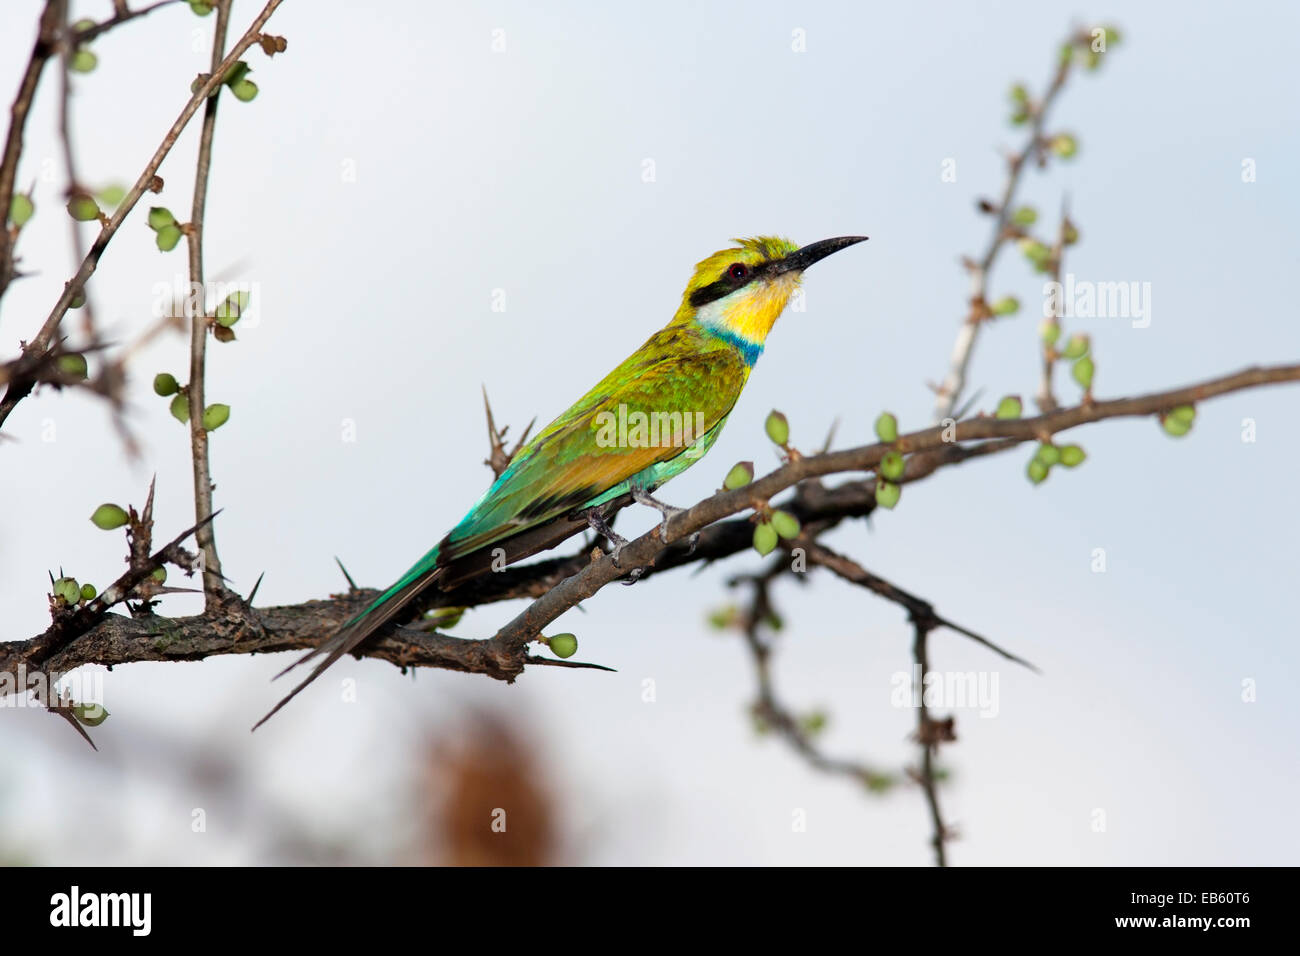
[{"x": 676, "y": 374}]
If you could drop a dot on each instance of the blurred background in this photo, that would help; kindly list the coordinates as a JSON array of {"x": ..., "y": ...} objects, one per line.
[{"x": 429, "y": 198}]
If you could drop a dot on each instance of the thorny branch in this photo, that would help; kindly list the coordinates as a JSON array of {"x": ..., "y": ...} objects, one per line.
[
  {"x": 559, "y": 584},
  {"x": 213, "y": 588},
  {"x": 46, "y": 45},
  {"x": 768, "y": 711},
  {"x": 27, "y": 371},
  {"x": 950, "y": 390},
  {"x": 1065, "y": 235}
]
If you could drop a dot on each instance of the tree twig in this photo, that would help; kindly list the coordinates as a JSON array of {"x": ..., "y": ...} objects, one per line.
[
  {"x": 213, "y": 587},
  {"x": 45, "y": 46},
  {"x": 929, "y": 734}
]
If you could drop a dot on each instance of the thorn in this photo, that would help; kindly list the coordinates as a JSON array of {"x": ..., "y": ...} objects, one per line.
[
  {"x": 978, "y": 639},
  {"x": 351, "y": 584},
  {"x": 497, "y": 458},
  {"x": 76, "y": 724},
  {"x": 830, "y": 435},
  {"x": 253, "y": 593},
  {"x": 970, "y": 402},
  {"x": 552, "y": 662},
  {"x": 522, "y": 438},
  {"x": 147, "y": 517}
]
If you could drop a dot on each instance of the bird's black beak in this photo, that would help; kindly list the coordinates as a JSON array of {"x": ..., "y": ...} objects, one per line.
[{"x": 801, "y": 259}]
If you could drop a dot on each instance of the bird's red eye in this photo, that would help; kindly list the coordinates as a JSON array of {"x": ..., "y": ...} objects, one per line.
[{"x": 738, "y": 270}]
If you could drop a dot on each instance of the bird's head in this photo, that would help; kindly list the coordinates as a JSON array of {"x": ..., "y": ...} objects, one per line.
[{"x": 740, "y": 292}]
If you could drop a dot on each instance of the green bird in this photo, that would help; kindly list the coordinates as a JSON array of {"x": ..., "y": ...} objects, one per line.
[{"x": 651, "y": 418}]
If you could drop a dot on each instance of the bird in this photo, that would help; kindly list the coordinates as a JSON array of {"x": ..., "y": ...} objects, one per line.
[{"x": 645, "y": 422}]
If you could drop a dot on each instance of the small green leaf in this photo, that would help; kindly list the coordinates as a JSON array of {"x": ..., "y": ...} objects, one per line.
[
  {"x": 445, "y": 617},
  {"x": 1018, "y": 93},
  {"x": 68, "y": 589},
  {"x": 887, "y": 494},
  {"x": 21, "y": 209},
  {"x": 723, "y": 617},
  {"x": 1077, "y": 347},
  {"x": 887, "y": 427},
  {"x": 201, "y": 7},
  {"x": 1007, "y": 305},
  {"x": 164, "y": 384},
  {"x": 92, "y": 715},
  {"x": 112, "y": 195},
  {"x": 1025, "y": 216},
  {"x": 244, "y": 90},
  {"x": 563, "y": 645},
  {"x": 109, "y": 516},
  {"x": 232, "y": 307},
  {"x": 82, "y": 208},
  {"x": 765, "y": 538},
  {"x": 1072, "y": 456},
  {"x": 73, "y": 363},
  {"x": 1037, "y": 471},
  {"x": 1049, "y": 330},
  {"x": 83, "y": 61},
  {"x": 238, "y": 70},
  {"x": 180, "y": 408},
  {"x": 1049, "y": 455},
  {"x": 167, "y": 237},
  {"x": 1083, "y": 371},
  {"x": 1009, "y": 407},
  {"x": 892, "y": 466},
  {"x": 78, "y": 301},
  {"x": 1065, "y": 145},
  {"x": 88, "y": 591},
  {"x": 214, "y": 416},
  {"x": 1184, "y": 413},
  {"x": 160, "y": 217},
  {"x": 159, "y": 575},
  {"x": 814, "y": 722},
  {"x": 741, "y": 474},
  {"x": 1035, "y": 252},
  {"x": 785, "y": 524},
  {"x": 878, "y": 782},
  {"x": 777, "y": 428},
  {"x": 1176, "y": 427}
]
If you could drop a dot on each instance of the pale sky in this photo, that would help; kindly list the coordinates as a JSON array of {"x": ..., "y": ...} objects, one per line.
[{"x": 395, "y": 171}]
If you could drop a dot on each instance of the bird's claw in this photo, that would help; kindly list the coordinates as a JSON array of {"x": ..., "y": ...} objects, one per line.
[
  {"x": 596, "y": 521},
  {"x": 667, "y": 510}
]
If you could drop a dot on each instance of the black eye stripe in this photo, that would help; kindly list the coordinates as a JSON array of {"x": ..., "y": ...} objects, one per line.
[{"x": 727, "y": 284}]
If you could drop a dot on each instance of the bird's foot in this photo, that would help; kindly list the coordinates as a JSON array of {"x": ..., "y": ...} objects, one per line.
[
  {"x": 650, "y": 501},
  {"x": 596, "y": 521}
]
